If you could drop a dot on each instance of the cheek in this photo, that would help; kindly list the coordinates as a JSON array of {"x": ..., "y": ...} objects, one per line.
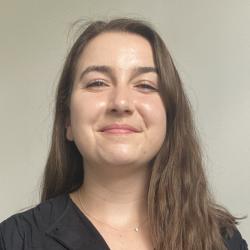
[
  {"x": 154, "y": 113},
  {"x": 85, "y": 110}
]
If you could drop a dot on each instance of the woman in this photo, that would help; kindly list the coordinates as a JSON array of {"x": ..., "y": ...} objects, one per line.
[{"x": 125, "y": 169}]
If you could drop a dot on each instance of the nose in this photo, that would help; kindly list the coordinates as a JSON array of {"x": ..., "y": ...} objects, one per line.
[{"x": 120, "y": 101}]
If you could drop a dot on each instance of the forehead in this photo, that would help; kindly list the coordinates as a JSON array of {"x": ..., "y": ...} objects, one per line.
[{"x": 120, "y": 49}]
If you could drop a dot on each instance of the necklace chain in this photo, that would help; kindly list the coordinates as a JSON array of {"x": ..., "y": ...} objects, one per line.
[{"x": 136, "y": 229}]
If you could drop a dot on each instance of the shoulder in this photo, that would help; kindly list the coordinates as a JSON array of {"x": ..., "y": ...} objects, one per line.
[
  {"x": 235, "y": 241},
  {"x": 14, "y": 229}
]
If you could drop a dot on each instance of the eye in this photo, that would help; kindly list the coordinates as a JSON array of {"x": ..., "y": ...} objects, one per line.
[
  {"x": 146, "y": 87},
  {"x": 96, "y": 84}
]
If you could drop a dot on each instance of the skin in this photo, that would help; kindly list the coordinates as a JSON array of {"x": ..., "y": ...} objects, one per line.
[{"x": 116, "y": 162}]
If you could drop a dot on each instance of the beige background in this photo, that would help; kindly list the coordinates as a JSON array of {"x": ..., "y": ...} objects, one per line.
[{"x": 210, "y": 43}]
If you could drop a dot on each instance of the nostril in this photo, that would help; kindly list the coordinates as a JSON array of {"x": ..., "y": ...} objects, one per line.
[{"x": 121, "y": 110}]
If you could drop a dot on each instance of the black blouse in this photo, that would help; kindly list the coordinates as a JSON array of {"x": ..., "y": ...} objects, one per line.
[{"x": 59, "y": 224}]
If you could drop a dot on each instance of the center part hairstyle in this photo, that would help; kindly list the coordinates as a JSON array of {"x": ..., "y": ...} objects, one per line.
[{"x": 182, "y": 213}]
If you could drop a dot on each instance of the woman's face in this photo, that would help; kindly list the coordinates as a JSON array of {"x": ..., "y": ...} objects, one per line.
[{"x": 117, "y": 116}]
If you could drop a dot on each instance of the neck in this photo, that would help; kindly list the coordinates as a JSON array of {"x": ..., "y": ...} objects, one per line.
[{"x": 117, "y": 196}]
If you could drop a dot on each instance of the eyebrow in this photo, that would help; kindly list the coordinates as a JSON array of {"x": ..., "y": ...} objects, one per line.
[{"x": 108, "y": 70}]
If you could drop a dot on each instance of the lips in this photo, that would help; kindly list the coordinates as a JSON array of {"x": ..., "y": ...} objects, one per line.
[{"x": 119, "y": 129}]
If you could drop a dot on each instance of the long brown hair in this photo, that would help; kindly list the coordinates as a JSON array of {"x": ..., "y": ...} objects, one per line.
[{"x": 181, "y": 211}]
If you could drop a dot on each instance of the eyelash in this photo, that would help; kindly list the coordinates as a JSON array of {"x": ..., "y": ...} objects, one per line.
[
  {"x": 95, "y": 84},
  {"x": 147, "y": 86},
  {"x": 99, "y": 83}
]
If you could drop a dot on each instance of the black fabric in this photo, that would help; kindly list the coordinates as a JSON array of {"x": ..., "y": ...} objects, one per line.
[{"x": 59, "y": 224}]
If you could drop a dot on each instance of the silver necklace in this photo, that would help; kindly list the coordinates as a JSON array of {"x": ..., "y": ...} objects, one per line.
[{"x": 136, "y": 229}]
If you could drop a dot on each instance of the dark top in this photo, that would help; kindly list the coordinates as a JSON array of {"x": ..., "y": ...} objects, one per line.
[{"x": 59, "y": 224}]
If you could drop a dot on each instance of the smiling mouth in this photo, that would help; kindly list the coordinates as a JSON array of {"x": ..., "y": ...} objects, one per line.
[{"x": 117, "y": 131}]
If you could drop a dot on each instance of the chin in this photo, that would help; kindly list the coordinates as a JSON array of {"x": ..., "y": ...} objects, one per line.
[{"x": 121, "y": 160}]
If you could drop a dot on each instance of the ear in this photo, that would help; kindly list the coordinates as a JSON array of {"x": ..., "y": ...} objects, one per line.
[{"x": 69, "y": 134}]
